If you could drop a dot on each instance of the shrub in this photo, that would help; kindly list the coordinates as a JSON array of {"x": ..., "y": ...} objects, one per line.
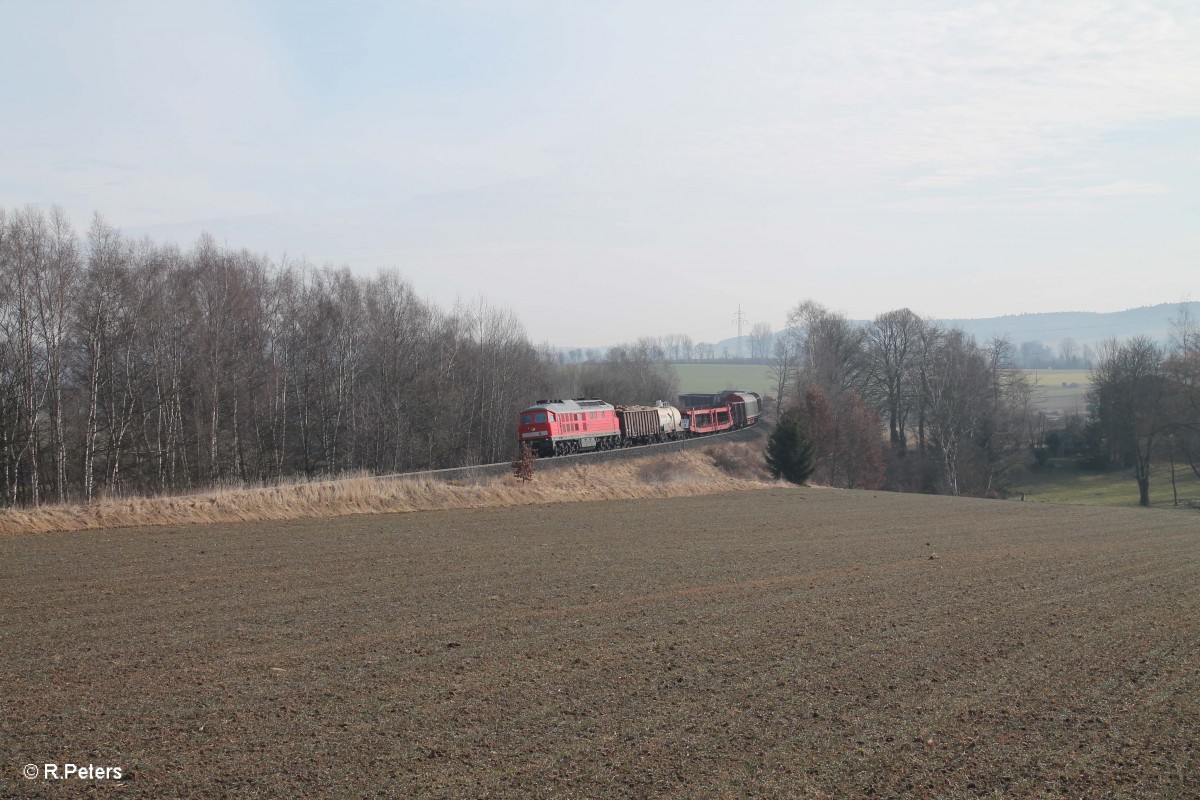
[{"x": 522, "y": 466}]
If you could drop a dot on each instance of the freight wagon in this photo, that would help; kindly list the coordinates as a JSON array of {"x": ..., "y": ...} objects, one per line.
[{"x": 645, "y": 424}]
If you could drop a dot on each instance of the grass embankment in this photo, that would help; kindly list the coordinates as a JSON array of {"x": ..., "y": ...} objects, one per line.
[
  {"x": 1065, "y": 484},
  {"x": 715, "y": 469}
]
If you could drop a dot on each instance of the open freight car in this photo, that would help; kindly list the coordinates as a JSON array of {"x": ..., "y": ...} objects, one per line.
[
  {"x": 744, "y": 407},
  {"x": 709, "y": 419}
]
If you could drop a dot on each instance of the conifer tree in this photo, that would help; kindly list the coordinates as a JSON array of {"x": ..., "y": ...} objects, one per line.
[{"x": 791, "y": 453}]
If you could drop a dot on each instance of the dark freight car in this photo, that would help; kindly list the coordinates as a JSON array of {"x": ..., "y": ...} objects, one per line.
[
  {"x": 745, "y": 407},
  {"x": 699, "y": 400}
]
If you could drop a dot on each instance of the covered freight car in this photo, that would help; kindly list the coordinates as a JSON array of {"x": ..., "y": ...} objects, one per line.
[{"x": 746, "y": 407}]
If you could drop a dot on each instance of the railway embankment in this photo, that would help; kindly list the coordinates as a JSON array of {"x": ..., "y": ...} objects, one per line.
[{"x": 693, "y": 467}]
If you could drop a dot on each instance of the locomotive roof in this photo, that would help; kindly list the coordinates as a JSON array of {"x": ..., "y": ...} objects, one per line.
[{"x": 578, "y": 404}]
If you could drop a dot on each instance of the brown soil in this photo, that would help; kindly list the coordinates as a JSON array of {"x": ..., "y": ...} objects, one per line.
[{"x": 780, "y": 643}]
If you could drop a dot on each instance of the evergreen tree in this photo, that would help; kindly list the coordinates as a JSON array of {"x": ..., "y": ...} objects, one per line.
[{"x": 791, "y": 453}]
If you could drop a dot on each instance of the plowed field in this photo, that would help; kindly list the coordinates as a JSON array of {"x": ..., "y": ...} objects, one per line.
[{"x": 781, "y": 643}]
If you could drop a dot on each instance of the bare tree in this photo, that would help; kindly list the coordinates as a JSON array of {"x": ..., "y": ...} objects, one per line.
[
  {"x": 1068, "y": 352},
  {"x": 761, "y": 336},
  {"x": 673, "y": 345},
  {"x": 1185, "y": 331},
  {"x": 1183, "y": 371},
  {"x": 955, "y": 381},
  {"x": 832, "y": 353},
  {"x": 848, "y": 439},
  {"x": 1129, "y": 391},
  {"x": 22, "y": 260},
  {"x": 783, "y": 369},
  {"x": 893, "y": 342},
  {"x": 94, "y": 313}
]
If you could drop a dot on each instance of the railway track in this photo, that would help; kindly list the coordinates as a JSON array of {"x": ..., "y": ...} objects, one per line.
[{"x": 595, "y": 457}]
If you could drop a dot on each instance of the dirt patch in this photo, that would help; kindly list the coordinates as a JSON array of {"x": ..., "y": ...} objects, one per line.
[{"x": 793, "y": 643}]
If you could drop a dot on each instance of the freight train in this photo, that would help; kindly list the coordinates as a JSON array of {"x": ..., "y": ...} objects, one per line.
[{"x": 561, "y": 427}]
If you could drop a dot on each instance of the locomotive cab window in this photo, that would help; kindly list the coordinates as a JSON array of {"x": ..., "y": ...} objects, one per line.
[
  {"x": 540, "y": 416},
  {"x": 526, "y": 419}
]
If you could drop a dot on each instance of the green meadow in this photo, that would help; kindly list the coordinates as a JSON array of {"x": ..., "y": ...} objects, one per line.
[
  {"x": 1066, "y": 484},
  {"x": 715, "y": 377}
]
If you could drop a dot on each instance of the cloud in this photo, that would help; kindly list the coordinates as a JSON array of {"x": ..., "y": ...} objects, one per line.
[
  {"x": 949, "y": 95},
  {"x": 482, "y": 138},
  {"x": 1115, "y": 189}
]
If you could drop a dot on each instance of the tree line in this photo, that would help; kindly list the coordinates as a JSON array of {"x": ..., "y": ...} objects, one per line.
[
  {"x": 132, "y": 367},
  {"x": 902, "y": 403},
  {"x": 957, "y": 415}
]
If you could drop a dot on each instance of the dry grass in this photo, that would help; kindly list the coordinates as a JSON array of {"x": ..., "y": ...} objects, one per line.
[
  {"x": 742, "y": 460},
  {"x": 663, "y": 470},
  {"x": 677, "y": 475}
]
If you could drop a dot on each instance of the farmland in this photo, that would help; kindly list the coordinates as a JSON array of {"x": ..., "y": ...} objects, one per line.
[
  {"x": 1055, "y": 391},
  {"x": 778, "y": 642},
  {"x": 1059, "y": 391},
  {"x": 715, "y": 377}
]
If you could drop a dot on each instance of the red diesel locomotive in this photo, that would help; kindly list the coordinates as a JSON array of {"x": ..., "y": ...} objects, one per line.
[{"x": 560, "y": 427}]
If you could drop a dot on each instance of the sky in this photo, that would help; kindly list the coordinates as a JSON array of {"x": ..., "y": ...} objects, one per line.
[{"x": 614, "y": 169}]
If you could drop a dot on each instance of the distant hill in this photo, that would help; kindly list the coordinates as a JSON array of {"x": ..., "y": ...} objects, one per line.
[{"x": 1085, "y": 327}]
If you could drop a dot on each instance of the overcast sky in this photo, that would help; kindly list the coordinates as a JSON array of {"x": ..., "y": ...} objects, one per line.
[{"x": 611, "y": 169}]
